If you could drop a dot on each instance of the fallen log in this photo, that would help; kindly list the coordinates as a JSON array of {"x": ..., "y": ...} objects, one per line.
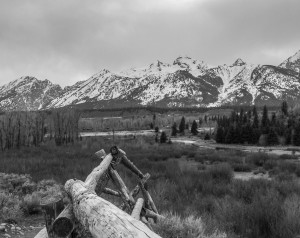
[
  {"x": 51, "y": 207},
  {"x": 64, "y": 223},
  {"x": 66, "y": 217},
  {"x": 102, "y": 218}
]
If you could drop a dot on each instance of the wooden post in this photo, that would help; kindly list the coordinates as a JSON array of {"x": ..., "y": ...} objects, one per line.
[
  {"x": 103, "y": 219},
  {"x": 136, "y": 213}
]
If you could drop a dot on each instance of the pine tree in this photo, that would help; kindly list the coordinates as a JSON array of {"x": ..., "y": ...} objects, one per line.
[
  {"x": 255, "y": 118},
  {"x": 220, "y": 135},
  {"x": 182, "y": 125},
  {"x": 187, "y": 126},
  {"x": 284, "y": 108},
  {"x": 163, "y": 137},
  {"x": 207, "y": 136},
  {"x": 194, "y": 128},
  {"x": 272, "y": 137},
  {"x": 230, "y": 135},
  {"x": 296, "y": 135},
  {"x": 174, "y": 129},
  {"x": 265, "y": 121},
  {"x": 273, "y": 120},
  {"x": 200, "y": 121}
]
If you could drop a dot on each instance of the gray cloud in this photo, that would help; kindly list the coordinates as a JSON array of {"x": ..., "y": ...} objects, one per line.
[{"x": 66, "y": 41}]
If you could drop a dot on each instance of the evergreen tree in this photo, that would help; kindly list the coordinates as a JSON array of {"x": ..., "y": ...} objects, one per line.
[
  {"x": 247, "y": 134},
  {"x": 265, "y": 121},
  {"x": 194, "y": 128},
  {"x": 296, "y": 135},
  {"x": 187, "y": 126},
  {"x": 284, "y": 108},
  {"x": 241, "y": 117},
  {"x": 272, "y": 137},
  {"x": 200, "y": 121},
  {"x": 220, "y": 135},
  {"x": 230, "y": 135},
  {"x": 288, "y": 136},
  {"x": 207, "y": 136},
  {"x": 205, "y": 118},
  {"x": 163, "y": 137},
  {"x": 255, "y": 118},
  {"x": 174, "y": 129},
  {"x": 182, "y": 125},
  {"x": 273, "y": 120},
  {"x": 256, "y": 133}
]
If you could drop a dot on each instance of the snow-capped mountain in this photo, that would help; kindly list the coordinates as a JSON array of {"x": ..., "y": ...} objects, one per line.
[
  {"x": 292, "y": 62},
  {"x": 185, "y": 82},
  {"x": 28, "y": 93}
]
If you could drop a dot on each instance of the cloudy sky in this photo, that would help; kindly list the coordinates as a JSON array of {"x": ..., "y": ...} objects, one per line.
[{"x": 69, "y": 40}]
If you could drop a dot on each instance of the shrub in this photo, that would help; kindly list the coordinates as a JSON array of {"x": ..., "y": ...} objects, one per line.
[
  {"x": 222, "y": 172},
  {"x": 163, "y": 137},
  {"x": 241, "y": 167},
  {"x": 10, "y": 206},
  {"x": 188, "y": 227}
]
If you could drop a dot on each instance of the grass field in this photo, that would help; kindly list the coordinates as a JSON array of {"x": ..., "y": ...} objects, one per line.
[{"x": 203, "y": 201}]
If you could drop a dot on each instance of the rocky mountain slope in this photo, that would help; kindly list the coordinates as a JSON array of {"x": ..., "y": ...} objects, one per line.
[
  {"x": 28, "y": 93},
  {"x": 185, "y": 82}
]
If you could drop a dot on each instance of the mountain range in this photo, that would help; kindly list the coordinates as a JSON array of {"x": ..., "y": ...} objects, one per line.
[{"x": 184, "y": 83}]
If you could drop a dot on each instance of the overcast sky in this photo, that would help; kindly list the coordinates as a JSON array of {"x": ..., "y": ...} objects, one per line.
[{"x": 69, "y": 40}]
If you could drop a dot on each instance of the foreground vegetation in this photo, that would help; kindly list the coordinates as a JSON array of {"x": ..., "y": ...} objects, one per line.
[{"x": 204, "y": 200}]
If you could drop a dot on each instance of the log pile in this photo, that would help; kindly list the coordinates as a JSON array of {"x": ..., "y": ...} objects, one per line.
[{"x": 91, "y": 215}]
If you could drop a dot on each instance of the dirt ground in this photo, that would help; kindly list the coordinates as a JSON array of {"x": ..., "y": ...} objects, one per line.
[{"x": 27, "y": 228}]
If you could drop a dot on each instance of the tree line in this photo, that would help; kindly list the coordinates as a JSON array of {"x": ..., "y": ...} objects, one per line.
[
  {"x": 280, "y": 127},
  {"x": 19, "y": 129}
]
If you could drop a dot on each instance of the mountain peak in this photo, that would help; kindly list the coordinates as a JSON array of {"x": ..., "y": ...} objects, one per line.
[
  {"x": 238, "y": 62},
  {"x": 292, "y": 62}
]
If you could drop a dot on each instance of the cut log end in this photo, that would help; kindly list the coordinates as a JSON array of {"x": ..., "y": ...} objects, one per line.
[{"x": 63, "y": 226}]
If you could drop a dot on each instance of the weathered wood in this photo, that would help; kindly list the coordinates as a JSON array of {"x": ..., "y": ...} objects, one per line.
[
  {"x": 51, "y": 207},
  {"x": 111, "y": 192},
  {"x": 119, "y": 183},
  {"x": 102, "y": 218},
  {"x": 148, "y": 198},
  {"x": 136, "y": 212},
  {"x": 95, "y": 175},
  {"x": 127, "y": 163},
  {"x": 150, "y": 214},
  {"x": 42, "y": 234},
  {"x": 134, "y": 192},
  {"x": 91, "y": 182},
  {"x": 64, "y": 223}
]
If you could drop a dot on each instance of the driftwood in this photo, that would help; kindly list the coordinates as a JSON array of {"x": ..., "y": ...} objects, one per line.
[{"x": 100, "y": 217}]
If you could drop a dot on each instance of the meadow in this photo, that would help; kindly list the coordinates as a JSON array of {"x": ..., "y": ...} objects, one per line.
[{"x": 204, "y": 201}]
